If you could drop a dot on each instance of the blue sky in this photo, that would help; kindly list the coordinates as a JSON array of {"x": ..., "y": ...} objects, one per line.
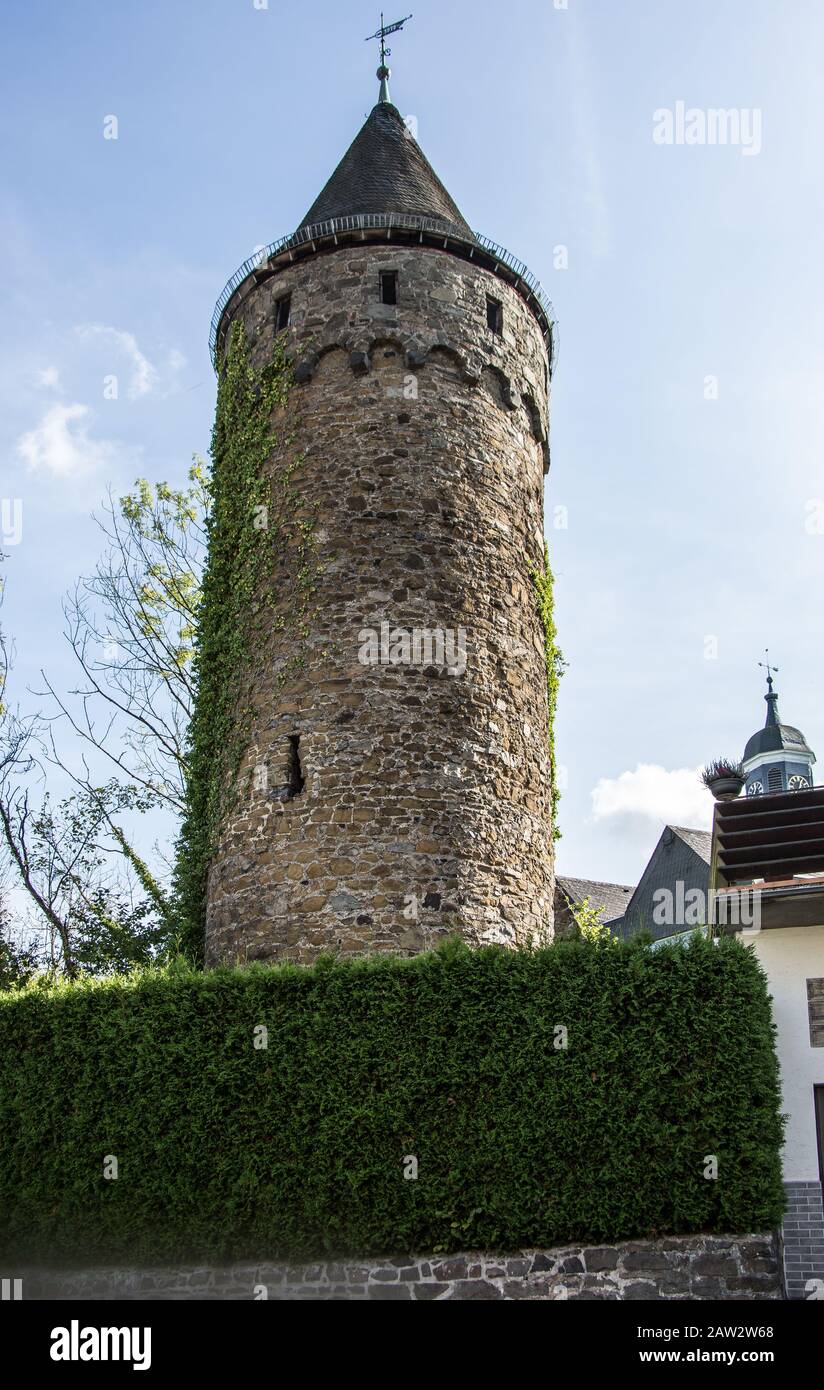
[{"x": 688, "y": 518}]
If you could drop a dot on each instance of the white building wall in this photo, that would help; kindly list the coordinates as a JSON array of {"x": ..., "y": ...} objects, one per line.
[{"x": 790, "y": 956}]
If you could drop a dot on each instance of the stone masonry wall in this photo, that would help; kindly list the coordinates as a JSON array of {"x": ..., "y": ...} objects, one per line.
[
  {"x": 425, "y": 805},
  {"x": 679, "y": 1267}
]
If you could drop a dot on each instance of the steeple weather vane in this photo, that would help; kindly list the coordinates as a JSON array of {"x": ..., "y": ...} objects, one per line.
[
  {"x": 767, "y": 667},
  {"x": 384, "y": 73}
]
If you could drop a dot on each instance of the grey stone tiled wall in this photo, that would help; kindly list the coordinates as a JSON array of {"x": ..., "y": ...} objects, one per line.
[
  {"x": 803, "y": 1239},
  {"x": 695, "y": 1267}
]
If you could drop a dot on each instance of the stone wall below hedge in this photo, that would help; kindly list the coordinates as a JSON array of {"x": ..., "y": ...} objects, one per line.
[{"x": 675, "y": 1267}]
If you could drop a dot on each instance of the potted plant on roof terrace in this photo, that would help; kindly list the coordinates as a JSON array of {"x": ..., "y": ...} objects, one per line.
[{"x": 724, "y": 777}]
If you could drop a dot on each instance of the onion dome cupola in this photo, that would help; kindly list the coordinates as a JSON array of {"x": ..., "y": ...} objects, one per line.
[{"x": 777, "y": 758}]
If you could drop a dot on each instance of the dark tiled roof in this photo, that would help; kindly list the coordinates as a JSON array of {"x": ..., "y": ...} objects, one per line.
[
  {"x": 612, "y": 897},
  {"x": 776, "y": 738},
  {"x": 385, "y": 170},
  {"x": 699, "y": 840},
  {"x": 682, "y": 856}
]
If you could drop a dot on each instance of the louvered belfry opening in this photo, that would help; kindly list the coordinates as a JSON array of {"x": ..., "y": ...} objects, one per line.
[{"x": 769, "y": 838}]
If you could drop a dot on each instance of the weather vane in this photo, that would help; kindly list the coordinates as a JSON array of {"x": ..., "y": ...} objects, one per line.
[
  {"x": 383, "y": 70},
  {"x": 767, "y": 667}
]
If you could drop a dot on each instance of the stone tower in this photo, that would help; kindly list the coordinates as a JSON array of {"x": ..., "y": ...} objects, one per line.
[{"x": 399, "y": 774}]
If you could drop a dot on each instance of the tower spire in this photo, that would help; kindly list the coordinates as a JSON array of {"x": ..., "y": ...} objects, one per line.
[
  {"x": 771, "y": 696},
  {"x": 777, "y": 758},
  {"x": 384, "y": 73}
]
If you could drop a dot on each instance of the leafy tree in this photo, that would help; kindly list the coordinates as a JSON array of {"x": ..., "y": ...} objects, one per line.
[
  {"x": 131, "y": 626},
  {"x": 17, "y": 963},
  {"x": 588, "y": 922},
  {"x": 103, "y": 915}
]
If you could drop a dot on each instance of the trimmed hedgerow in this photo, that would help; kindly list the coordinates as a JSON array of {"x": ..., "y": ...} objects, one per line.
[{"x": 227, "y": 1150}]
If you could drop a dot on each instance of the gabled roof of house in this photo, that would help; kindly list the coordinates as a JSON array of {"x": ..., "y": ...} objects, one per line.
[
  {"x": 611, "y": 897},
  {"x": 681, "y": 856},
  {"x": 698, "y": 840}
]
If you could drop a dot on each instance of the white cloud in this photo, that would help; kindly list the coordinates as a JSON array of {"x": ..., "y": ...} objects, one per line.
[
  {"x": 50, "y": 377},
  {"x": 60, "y": 444},
  {"x": 653, "y": 794},
  {"x": 144, "y": 376}
]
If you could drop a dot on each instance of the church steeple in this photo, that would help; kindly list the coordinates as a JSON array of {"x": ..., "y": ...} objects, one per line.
[{"x": 777, "y": 757}]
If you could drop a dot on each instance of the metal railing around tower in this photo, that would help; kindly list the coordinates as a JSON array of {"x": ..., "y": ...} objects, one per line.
[{"x": 430, "y": 229}]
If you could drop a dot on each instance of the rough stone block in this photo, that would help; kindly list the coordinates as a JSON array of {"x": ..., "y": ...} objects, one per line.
[
  {"x": 720, "y": 1266},
  {"x": 645, "y": 1260},
  {"x": 450, "y": 1269},
  {"x": 599, "y": 1257},
  {"x": 475, "y": 1289},
  {"x": 641, "y": 1290}
]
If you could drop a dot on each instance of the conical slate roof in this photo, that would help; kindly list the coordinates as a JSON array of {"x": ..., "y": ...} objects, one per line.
[{"x": 385, "y": 170}]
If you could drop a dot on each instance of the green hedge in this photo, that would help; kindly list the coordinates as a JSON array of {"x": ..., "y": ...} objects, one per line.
[{"x": 226, "y": 1151}]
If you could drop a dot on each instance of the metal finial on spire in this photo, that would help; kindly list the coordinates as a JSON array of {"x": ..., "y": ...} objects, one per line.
[
  {"x": 771, "y": 696},
  {"x": 384, "y": 73},
  {"x": 768, "y": 668}
]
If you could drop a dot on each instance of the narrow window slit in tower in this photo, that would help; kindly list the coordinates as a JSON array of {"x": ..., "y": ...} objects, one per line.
[
  {"x": 389, "y": 286},
  {"x": 282, "y": 309},
  {"x": 297, "y": 781},
  {"x": 495, "y": 314},
  {"x": 775, "y": 780}
]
